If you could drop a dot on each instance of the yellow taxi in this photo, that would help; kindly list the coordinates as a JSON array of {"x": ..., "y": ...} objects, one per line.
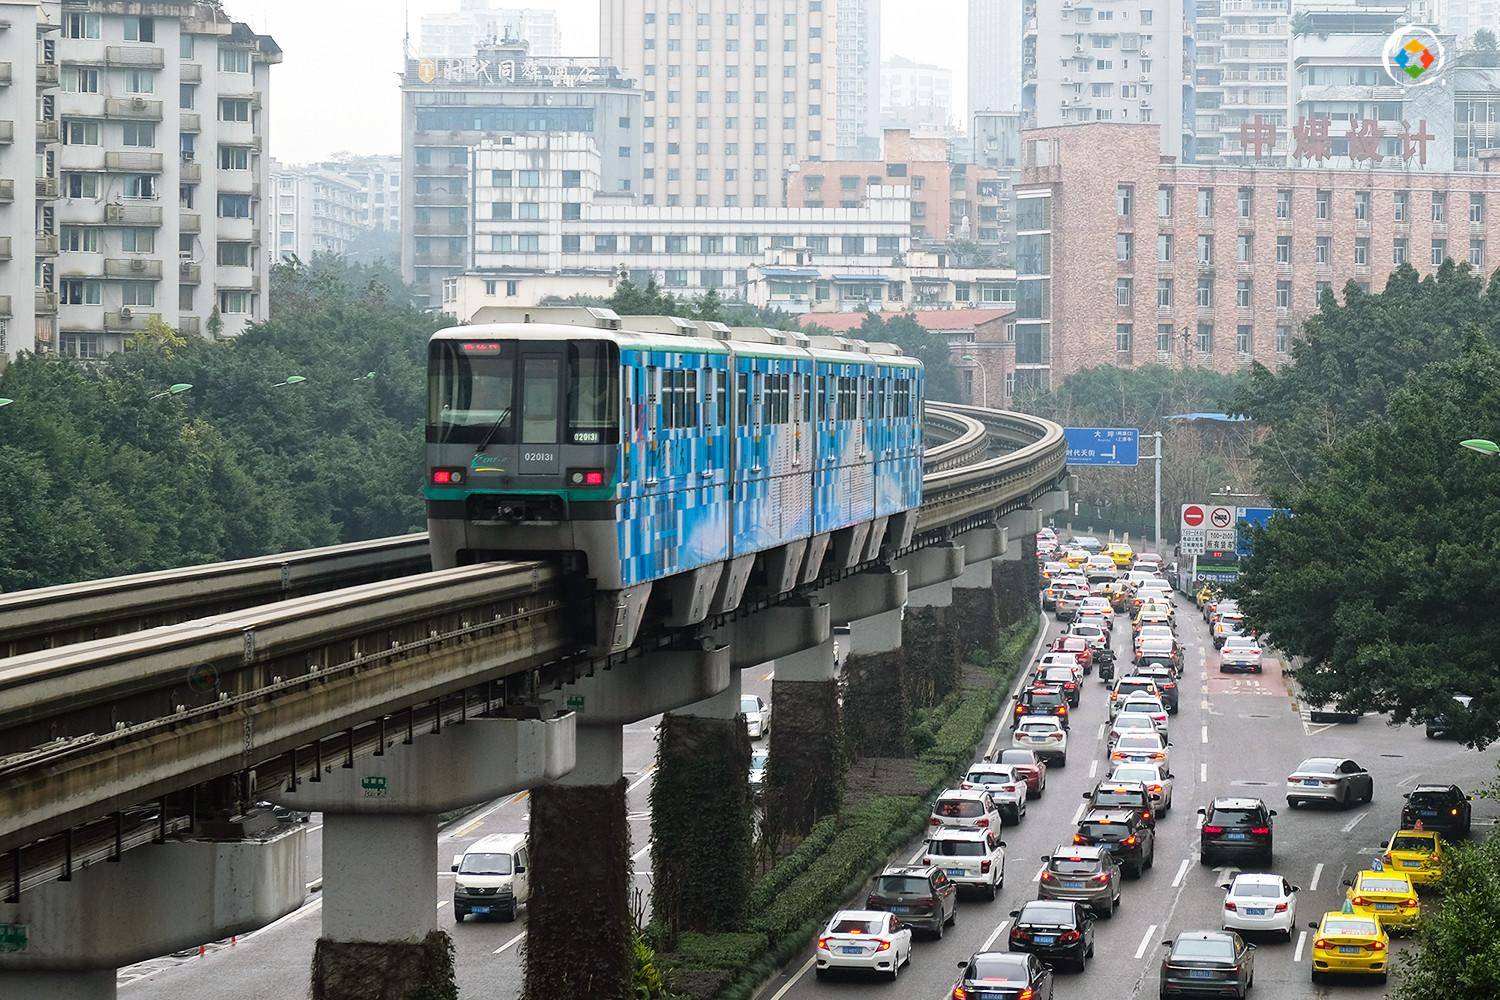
[
  {"x": 1204, "y": 596},
  {"x": 1121, "y": 554},
  {"x": 1075, "y": 558},
  {"x": 1386, "y": 895},
  {"x": 1349, "y": 943},
  {"x": 1119, "y": 593},
  {"x": 1153, "y": 614},
  {"x": 1417, "y": 854}
]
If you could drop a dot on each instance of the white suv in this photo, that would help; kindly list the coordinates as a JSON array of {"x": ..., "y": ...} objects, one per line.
[
  {"x": 965, "y": 807},
  {"x": 969, "y": 855},
  {"x": 1004, "y": 785},
  {"x": 1044, "y": 735}
]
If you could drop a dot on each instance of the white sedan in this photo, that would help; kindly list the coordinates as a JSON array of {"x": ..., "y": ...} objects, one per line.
[
  {"x": 1007, "y": 788},
  {"x": 757, "y": 713},
  {"x": 1259, "y": 902},
  {"x": 1156, "y": 778},
  {"x": 1044, "y": 736},
  {"x": 866, "y": 940},
  {"x": 1145, "y": 704}
]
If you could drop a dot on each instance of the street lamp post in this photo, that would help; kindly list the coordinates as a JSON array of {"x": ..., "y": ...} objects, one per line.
[
  {"x": 1483, "y": 446},
  {"x": 176, "y": 389},
  {"x": 5, "y": 402},
  {"x": 290, "y": 380},
  {"x": 984, "y": 381}
]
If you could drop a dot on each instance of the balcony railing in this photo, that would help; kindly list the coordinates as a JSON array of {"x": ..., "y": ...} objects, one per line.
[
  {"x": 46, "y": 187},
  {"x": 7, "y": 132},
  {"x": 132, "y": 267},
  {"x": 132, "y": 161},
  {"x": 188, "y": 121},
  {"x": 46, "y": 302},
  {"x": 7, "y": 191},
  {"x": 133, "y": 215},
  {"x": 4, "y": 248},
  {"x": 191, "y": 72},
  {"x": 46, "y": 244},
  {"x": 5, "y": 305},
  {"x": 191, "y": 172},
  {"x": 5, "y": 71},
  {"x": 148, "y": 56},
  {"x": 190, "y": 325},
  {"x": 133, "y": 108},
  {"x": 46, "y": 74},
  {"x": 128, "y": 318},
  {"x": 189, "y": 222},
  {"x": 47, "y": 131},
  {"x": 189, "y": 273}
]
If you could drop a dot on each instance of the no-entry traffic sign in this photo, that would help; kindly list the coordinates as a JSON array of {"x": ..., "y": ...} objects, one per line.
[{"x": 1192, "y": 515}]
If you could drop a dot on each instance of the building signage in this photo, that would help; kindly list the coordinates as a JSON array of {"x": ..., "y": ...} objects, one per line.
[
  {"x": 494, "y": 71},
  {"x": 375, "y": 786},
  {"x": 1103, "y": 445},
  {"x": 14, "y": 937},
  {"x": 1191, "y": 529},
  {"x": 575, "y": 702}
]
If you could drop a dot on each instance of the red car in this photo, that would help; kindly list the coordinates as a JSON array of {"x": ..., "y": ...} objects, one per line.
[
  {"x": 1027, "y": 765},
  {"x": 1078, "y": 646}
]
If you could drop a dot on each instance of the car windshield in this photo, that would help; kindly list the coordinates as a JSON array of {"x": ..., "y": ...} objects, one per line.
[
  {"x": 1140, "y": 741},
  {"x": 853, "y": 925},
  {"x": 1318, "y": 765},
  {"x": 1128, "y": 686},
  {"x": 1114, "y": 797},
  {"x": 958, "y": 808},
  {"x": 1127, "y": 772},
  {"x": 898, "y": 885},
  {"x": 1413, "y": 842},
  {"x": 1369, "y": 884},
  {"x": 1045, "y": 699},
  {"x": 1240, "y": 642},
  {"x": 998, "y": 967},
  {"x": 1200, "y": 950},
  {"x": 1061, "y": 675},
  {"x": 1428, "y": 798},
  {"x": 1039, "y": 728},
  {"x": 1156, "y": 647},
  {"x": 1046, "y": 912},
  {"x": 1016, "y": 757},
  {"x": 1134, "y": 720},
  {"x": 1137, "y": 703},
  {"x": 1233, "y": 816},
  {"x": 1344, "y": 925},
  {"x": 485, "y": 864},
  {"x": 988, "y": 777},
  {"x": 1104, "y": 831},
  {"x": 956, "y": 848},
  {"x": 749, "y": 704},
  {"x": 1257, "y": 890},
  {"x": 759, "y": 759},
  {"x": 1074, "y": 866}
]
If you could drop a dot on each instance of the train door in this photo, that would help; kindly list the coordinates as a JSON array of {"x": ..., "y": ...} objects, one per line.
[
  {"x": 653, "y": 426},
  {"x": 541, "y": 371}
]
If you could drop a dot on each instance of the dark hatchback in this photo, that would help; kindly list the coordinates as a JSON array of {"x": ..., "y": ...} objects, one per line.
[
  {"x": 1166, "y": 681},
  {"x": 1003, "y": 975},
  {"x": 1442, "y": 808},
  {"x": 1041, "y": 700},
  {"x": 1207, "y": 964},
  {"x": 921, "y": 895},
  {"x": 1123, "y": 833},
  {"x": 1236, "y": 828},
  {"x": 1054, "y": 929}
]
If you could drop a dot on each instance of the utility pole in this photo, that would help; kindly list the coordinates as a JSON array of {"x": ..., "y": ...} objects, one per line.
[{"x": 1156, "y": 511}]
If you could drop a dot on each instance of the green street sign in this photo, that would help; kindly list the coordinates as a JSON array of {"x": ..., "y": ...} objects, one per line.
[
  {"x": 375, "y": 787},
  {"x": 13, "y": 937},
  {"x": 575, "y": 702}
]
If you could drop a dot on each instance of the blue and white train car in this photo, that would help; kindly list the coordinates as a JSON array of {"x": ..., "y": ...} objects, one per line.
[{"x": 667, "y": 460}]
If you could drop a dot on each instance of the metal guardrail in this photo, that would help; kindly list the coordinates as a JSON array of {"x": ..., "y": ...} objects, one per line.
[
  {"x": 960, "y": 439},
  {"x": 1036, "y": 459}
]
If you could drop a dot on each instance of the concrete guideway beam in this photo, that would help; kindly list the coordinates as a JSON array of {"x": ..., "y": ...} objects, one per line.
[
  {"x": 776, "y": 632},
  {"x": 865, "y": 595},
  {"x": 154, "y": 901},
  {"x": 930, "y": 573},
  {"x": 724, "y": 705},
  {"x": 655, "y": 682},
  {"x": 503, "y": 756},
  {"x": 983, "y": 544}
]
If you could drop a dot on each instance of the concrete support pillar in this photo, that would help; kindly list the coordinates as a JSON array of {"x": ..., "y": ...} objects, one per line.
[
  {"x": 805, "y": 778},
  {"x": 701, "y": 816},
  {"x": 578, "y": 933},
  {"x": 98, "y": 984},
  {"x": 379, "y": 877},
  {"x": 875, "y": 706},
  {"x": 974, "y": 609}
]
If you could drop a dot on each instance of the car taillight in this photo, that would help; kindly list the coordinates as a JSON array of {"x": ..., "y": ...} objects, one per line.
[
  {"x": 1145, "y": 814},
  {"x": 1078, "y": 838},
  {"x": 984, "y": 866},
  {"x": 1068, "y": 937},
  {"x": 1261, "y": 831},
  {"x": 1056, "y": 736},
  {"x": 1229, "y": 905},
  {"x": 984, "y": 821},
  {"x": 959, "y": 993},
  {"x": 925, "y": 901},
  {"x": 1027, "y": 994},
  {"x": 882, "y": 946},
  {"x": 926, "y": 860},
  {"x": 1280, "y": 907},
  {"x": 1156, "y": 789},
  {"x": 822, "y": 944},
  {"x": 1213, "y": 830},
  {"x": 1453, "y": 812},
  {"x": 1322, "y": 943},
  {"x": 1101, "y": 879},
  {"x": 934, "y": 821},
  {"x": 1129, "y": 841},
  {"x": 1409, "y": 901},
  {"x": 1048, "y": 876},
  {"x": 1360, "y": 901},
  {"x": 871, "y": 901},
  {"x": 965, "y": 785},
  {"x": 1376, "y": 946}
]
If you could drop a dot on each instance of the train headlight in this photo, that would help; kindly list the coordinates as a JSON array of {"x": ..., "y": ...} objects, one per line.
[
  {"x": 447, "y": 477},
  {"x": 586, "y": 477}
]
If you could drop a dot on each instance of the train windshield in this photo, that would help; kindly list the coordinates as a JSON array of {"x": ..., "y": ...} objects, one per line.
[{"x": 485, "y": 391}]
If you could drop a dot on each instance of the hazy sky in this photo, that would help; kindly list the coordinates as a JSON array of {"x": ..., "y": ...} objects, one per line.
[{"x": 336, "y": 88}]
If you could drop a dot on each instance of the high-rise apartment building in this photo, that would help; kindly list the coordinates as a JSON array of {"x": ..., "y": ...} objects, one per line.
[
  {"x": 456, "y": 34},
  {"x": 734, "y": 96},
  {"x": 133, "y": 172},
  {"x": 317, "y": 211},
  {"x": 1119, "y": 61},
  {"x": 858, "y": 26},
  {"x": 1242, "y": 80},
  {"x": 917, "y": 96},
  {"x": 448, "y": 106},
  {"x": 379, "y": 180},
  {"x": 994, "y": 55}
]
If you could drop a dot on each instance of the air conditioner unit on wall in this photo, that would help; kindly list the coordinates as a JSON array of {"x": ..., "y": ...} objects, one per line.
[
  {"x": 137, "y": 264},
  {"x": 139, "y": 103}
]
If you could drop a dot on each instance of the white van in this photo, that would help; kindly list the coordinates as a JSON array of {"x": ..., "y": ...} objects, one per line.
[{"x": 492, "y": 877}]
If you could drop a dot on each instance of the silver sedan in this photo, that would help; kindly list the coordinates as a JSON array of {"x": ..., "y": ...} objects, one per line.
[{"x": 1329, "y": 779}]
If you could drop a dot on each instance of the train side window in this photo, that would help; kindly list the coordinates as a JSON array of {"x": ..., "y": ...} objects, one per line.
[
  {"x": 742, "y": 400},
  {"x": 653, "y": 397},
  {"x": 721, "y": 394},
  {"x": 690, "y": 398},
  {"x": 807, "y": 399}
]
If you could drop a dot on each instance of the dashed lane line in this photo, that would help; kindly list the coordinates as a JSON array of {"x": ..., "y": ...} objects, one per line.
[
  {"x": 641, "y": 853},
  {"x": 999, "y": 929},
  {"x": 1100, "y": 735},
  {"x": 509, "y": 944},
  {"x": 1078, "y": 815},
  {"x": 1203, "y": 771},
  {"x": 1038, "y": 876},
  {"x": 1181, "y": 873},
  {"x": 1093, "y": 768},
  {"x": 1349, "y": 826},
  {"x": 787, "y": 986},
  {"x": 1205, "y": 732},
  {"x": 1301, "y": 941},
  {"x": 1145, "y": 941},
  {"x": 1317, "y": 874},
  {"x": 643, "y": 776},
  {"x": 473, "y": 824}
]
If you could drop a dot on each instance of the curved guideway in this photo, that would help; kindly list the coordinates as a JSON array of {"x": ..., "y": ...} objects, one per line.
[{"x": 1233, "y": 736}]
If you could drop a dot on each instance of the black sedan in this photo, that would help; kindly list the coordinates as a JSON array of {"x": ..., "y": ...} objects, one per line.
[
  {"x": 1003, "y": 974},
  {"x": 1054, "y": 929},
  {"x": 1441, "y": 808},
  {"x": 1208, "y": 963}
]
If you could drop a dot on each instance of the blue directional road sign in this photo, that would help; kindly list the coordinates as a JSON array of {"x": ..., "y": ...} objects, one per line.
[
  {"x": 1258, "y": 516},
  {"x": 1103, "y": 445}
]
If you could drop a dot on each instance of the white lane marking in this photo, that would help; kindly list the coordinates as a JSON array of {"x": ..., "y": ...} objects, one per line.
[
  {"x": 1205, "y": 732},
  {"x": 1181, "y": 874},
  {"x": 1301, "y": 940},
  {"x": 468, "y": 827},
  {"x": 637, "y": 782},
  {"x": 770, "y": 674},
  {"x": 999, "y": 929},
  {"x": 1079, "y": 814},
  {"x": 989, "y": 752},
  {"x": 787, "y": 986},
  {"x": 1349, "y": 826},
  {"x": 1203, "y": 771},
  {"x": 295, "y": 915},
  {"x": 1203, "y": 704},
  {"x": 920, "y": 851},
  {"x": 641, "y": 853},
  {"x": 1100, "y": 736},
  {"x": 1093, "y": 769},
  {"x": 1317, "y": 874},
  {"x": 1145, "y": 941},
  {"x": 1201, "y": 818},
  {"x": 1409, "y": 779},
  {"x": 314, "y": 828},
  {"x": 511, "y": 943},
  {"x": 442, "y": 904},
  {"x": 1038, "y": 876}
]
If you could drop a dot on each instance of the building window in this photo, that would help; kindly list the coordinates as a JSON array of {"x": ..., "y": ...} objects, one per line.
[
  {"x": 1283, "y": 204},
  {"x": 81, "y": 345},
  {"x": 501, "y": 178},
  {"x": 81, "y": 185},
  {"x": 1245, "y": 248},
  {"x": 1205, "y": 293},
  {"x": 1205, "y": 343},
  {"x": 80, "y": 25},
  {"x": 528, "y": 244},
  {"x": 234, "y": 206},
  {"x": 143, "y": 187},
  {"x": 1323, "y": 206},
  {"x": 512, "y": 289},
  {"x": 1283, "y": 339},
  {"x": 1246, "y": 202},
  {"x": 1125, "y": 199},
  {"x": 1398, "y": 251},
  {"x": 1476, "y": 253},
  {"x": 572, "y": 211},
  {"x": 137, "y": 293},
  {"x": 80, "y": 239},
  {"x": 1124, "y": 289},
  {"x": 1323, "y": 288},
  {"x": 1244, "y": 293},
  {"x": 1283, "y": 294},
  {"x": 79, "y": 292},
  {"x": 1476, "y": 207},
  {"x": 751, "y": 245},
  {"x": 887, "y": 245},
  {"x": 572, "y": 243},
  {"x": 234, "y": 109},
  {"x": 852, "y": 246},
  {"x": 1244, "y": 339},
  {"x": 1398, "y": 207},
  {"x": 234, "y": 60},
  {"x": 138, "y": 134},
  {"x": 1284, "y": 250},
  {"x": 144, "y": 241},
  {"x": 234, "y": 254},
  {"x": 1323, "y": 250},
  {"x": 1361, "y": 206},
  {"x": 1123, "y": 338},
  {"x": 1124, "y": 247},
  {"x": 490, "y": 285},
  {"x": 574, "y": 178},
  {"x": 1205, "y": 203},
  {"x": 1439, "y": 252},
  {"x": 234, "y": 157},
  {"x": 234, "y": 301},
  {"x": 1164, "y": 338},
  {"x": 1165, "y": 201},
  {"x": 1439, "y": 207},
  {"x": 1205, "y": 249},
  {"x": 502, "y": 210},
  {"x": 140, "y": 29},
  {"x": 80, "y": 80},
  {"x": 675, "y": 278},
  {"x": 140, "y": 81},
  {"x": 1164, "y": 248},
  {"x": 528, "y": 210},
  {"x": 1164, "y": 293},
  {"x": 640, "y": 244},
  {"x": 1362, "y": 251},
  {"x": 605, "y": 244}
]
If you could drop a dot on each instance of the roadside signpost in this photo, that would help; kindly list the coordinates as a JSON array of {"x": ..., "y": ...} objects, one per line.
[
  {"x": 1258, "y": 516},
  {"x": 1191, "y": 531},
  {"x": 1103, "y": 445}
]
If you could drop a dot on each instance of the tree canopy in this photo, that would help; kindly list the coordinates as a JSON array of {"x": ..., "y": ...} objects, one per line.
[
  {"x": 903, "y": 330},
  {"x": 1458, "y": 953}
]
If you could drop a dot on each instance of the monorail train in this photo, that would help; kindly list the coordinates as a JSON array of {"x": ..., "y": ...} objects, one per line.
[{"x": 654, "y": 452}]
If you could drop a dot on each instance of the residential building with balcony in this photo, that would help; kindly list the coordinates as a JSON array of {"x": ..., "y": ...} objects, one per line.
[
  {"x": 858, "y": 86},
  {"x": 994, "y": 37},
  {"x": 795, "y": 281},
  {"x": 916, "y": 96},
  {"x": 379, "y": 181},
  {"x": 317, "y": 211},
  {"x": 1241, "y": 64},
  {"x": 449, "y": 106},
  {"x": 1214, "y": 265},
  {"x": 143, "y": 176}
]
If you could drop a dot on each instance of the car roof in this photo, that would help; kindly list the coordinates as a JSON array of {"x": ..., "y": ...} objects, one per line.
[
  {"x": 1204, "y": 936},
  {"x": 1055, "y": 722},
  {"x": 1432, "y": 788},
  {"x": 958, "y": 833},
  {"x": 1154, "y": 667},
  {"x": 919, "y": 871},
  {"x": 1124, "y": 764},
  {"x": 1108, "y": 816},
  {"x": 858, "y": 915},
  {"x": 497, "y": 843},
  {"x": 1257, "y": 878},
  {"x": 964, "y": 793},
  {"x": 1118, "y": 785},
  {"x": 1089, "y": 853},
  {"x": 1330, "y": 762},
  {"x": 1237, "y": 802}
]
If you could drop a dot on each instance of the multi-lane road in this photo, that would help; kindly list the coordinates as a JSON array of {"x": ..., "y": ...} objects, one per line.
[
  {"x": 273, "y": 963},
  {"x": 1234, "y": 736}
]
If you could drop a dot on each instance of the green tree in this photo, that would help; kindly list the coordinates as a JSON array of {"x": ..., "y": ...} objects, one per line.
[
  {"x": 158, "y": 336},
  {"x": 1385, "y": 580},
  {"x": 903, "y": 330},
  {"x": 1485, "y": 52},
  {"x": 1458, "y": 943}
]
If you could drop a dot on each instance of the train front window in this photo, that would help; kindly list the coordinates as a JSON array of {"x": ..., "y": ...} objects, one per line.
[
  {"x": 593, "y": 393},
  {"x": 539, "y": 392},
  {"x": 470, "y": 390}
]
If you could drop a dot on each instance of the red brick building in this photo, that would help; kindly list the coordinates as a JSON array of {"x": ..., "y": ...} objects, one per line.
[{"x": 1126, "y": 257}]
